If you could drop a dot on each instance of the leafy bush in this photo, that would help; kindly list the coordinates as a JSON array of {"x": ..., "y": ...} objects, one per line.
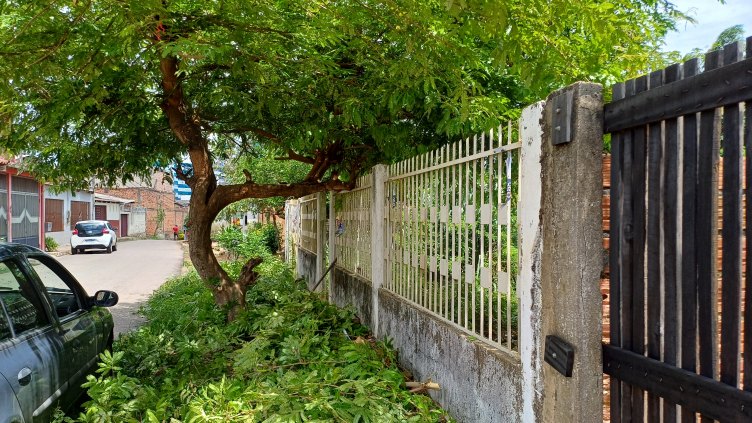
[
  {"x": 50, "y": 244},
  {"x": 270, "y": 237},
  {"x": 290, "y": 357},
  {"x": 259, "y": 241}
]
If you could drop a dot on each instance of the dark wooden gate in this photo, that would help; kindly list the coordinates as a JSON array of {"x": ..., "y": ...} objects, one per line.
[
  {"x": 681, "y": 145},
  {"x": 123, "y": 229},
  {"x": 100, "y": 212}
]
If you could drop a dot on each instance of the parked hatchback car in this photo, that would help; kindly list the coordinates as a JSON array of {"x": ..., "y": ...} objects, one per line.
[
  {"x": 51, "y": 334},
  {"x": 93, "y": 234}
]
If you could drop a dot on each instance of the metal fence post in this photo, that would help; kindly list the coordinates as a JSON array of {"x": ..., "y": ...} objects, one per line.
[
  {"x": 332, "y": 246},
  {"x": 378, "y": 258},
  {"x": 320, "y": 228}
]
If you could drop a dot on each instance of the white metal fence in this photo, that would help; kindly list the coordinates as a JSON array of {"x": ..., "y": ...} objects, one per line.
[
  {"x": 308, "y": 218},
  {"x": 449, "y": 227},
  {"x": 352, "y": 228},
  {"x": 452, "y": 247}
]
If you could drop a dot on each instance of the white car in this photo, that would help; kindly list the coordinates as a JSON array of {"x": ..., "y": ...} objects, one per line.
[{"x": 93, "y": 234}]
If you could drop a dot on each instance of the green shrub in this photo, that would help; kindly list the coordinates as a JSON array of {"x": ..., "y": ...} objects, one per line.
[
  {"x": 50, "y": 244},
  {"x": 270, "y": 237},
  {"x": 259, "y": 241},
  {"x": 290, "y": 357}
]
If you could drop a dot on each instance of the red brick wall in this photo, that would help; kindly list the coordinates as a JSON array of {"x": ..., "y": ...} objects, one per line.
[{"x": 153, "y": 200}]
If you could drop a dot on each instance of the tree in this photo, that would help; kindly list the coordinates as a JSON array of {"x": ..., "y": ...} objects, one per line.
[{"x": 111, "y": 89}]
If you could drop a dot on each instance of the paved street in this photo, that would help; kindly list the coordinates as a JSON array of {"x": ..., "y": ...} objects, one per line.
[{"x": 134, "y": 271}]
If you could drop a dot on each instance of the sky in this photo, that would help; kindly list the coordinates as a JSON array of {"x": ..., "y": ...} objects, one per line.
[{"x": 712, "y": 17}]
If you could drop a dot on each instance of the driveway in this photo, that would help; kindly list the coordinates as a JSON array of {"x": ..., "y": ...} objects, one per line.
[{"x": 134, "y": 271}]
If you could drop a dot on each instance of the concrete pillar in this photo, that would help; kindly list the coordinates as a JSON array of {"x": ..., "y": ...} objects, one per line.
[
  {"x": 572, "y": 255},
  {"x": 531, "y": 246},
  {"x": 378, "y": 229}
]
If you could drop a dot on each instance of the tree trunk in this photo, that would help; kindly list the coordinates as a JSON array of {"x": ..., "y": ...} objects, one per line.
[
  {"x": 228, "y": 293},
  {"x": 208, "y": 198}
]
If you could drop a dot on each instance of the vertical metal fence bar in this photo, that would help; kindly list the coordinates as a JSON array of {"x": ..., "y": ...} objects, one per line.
[
  {"x": 491, "y": 244},
  {"x": 466, "y": 205},
  {"x": 508, "y": 200},
  {"x": 475, "y": 262},
  {"x": 499, "y": 216},
  {"x": 482, "y": 263}
]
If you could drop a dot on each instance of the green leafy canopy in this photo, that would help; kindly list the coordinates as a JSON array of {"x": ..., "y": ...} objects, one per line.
[{"x": 81, "y": 88}]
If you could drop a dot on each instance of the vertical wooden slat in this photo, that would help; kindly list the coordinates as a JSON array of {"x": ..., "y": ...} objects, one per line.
[
  {"x": 706, "y": 235},
  {"x": 615, "y": 236},
  {"x": 688, "y": 246},
  {"x": 627, "y": 254},
  {"x": 638, "y": 248},
  {"x": 731, "y": 272},
  {"x": 748, "y": 228},
  {"x": 670, "y": 196},
  {"x": 654, "y": 247}
]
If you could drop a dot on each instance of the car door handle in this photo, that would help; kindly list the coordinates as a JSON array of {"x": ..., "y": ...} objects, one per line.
[{"x": 24, "y": 376}]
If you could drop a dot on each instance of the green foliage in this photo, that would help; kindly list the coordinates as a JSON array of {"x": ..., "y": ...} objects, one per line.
[
  {"x": 82, "y": 86},
  {"x": 160, "y": 219},
  {"x": 290, "y": 357},
  {"x": 270, "y": 237},
  {"x": 727, "y": 36},
  {"x": 261, "y": 241},
  {"x": 50, "y": 244}
]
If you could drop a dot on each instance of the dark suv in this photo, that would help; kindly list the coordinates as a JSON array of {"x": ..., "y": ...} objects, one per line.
[{"x": 51, "y": 334}]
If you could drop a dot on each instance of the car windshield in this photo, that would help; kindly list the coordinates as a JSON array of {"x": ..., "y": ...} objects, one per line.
[{"x": 90, "y": 228}]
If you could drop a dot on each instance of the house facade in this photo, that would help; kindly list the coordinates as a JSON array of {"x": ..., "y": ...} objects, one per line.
[
  {"x": 21, "y": 206},
  {"x": 152, "y": 202},
  {"x": 63, "y": 209}
]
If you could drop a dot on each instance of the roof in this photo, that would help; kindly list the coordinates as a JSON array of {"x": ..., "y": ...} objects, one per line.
[{"x": 104, "y": 198}]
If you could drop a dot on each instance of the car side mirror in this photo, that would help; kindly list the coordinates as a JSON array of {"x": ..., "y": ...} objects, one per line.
[{"x": 105, "y": 298}]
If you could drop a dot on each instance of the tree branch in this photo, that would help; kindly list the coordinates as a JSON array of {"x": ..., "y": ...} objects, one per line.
[
  {"x": 291, "y": 155},
  {"x": 225, "y": 195}
]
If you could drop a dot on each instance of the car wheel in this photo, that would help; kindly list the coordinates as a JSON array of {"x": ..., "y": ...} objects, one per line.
[
  {"x": 73, "y": 251},
  {"x": 109, "y": 249},
  {"x": 114, "y": 247}
]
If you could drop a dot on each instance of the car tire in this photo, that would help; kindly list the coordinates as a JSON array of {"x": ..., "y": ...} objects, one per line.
[
  {"x": 114, "y": 247},
  {"x": 73, "y": 251},
  {"x": 109, "y": 249}
]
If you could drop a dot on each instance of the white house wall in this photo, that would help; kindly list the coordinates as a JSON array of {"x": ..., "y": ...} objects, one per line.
[{"x": 63, "y": 237}]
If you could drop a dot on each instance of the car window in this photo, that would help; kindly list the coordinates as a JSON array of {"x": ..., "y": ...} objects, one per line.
[
  {"x": 63, "y": 297},
  {"x": 4, "y": 325},
  {"x": 19, "y": 300},
  {"x": 89, "y": 228}
]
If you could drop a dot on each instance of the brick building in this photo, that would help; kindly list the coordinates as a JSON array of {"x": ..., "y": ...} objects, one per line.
[{"x": 153, "y": 197}]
